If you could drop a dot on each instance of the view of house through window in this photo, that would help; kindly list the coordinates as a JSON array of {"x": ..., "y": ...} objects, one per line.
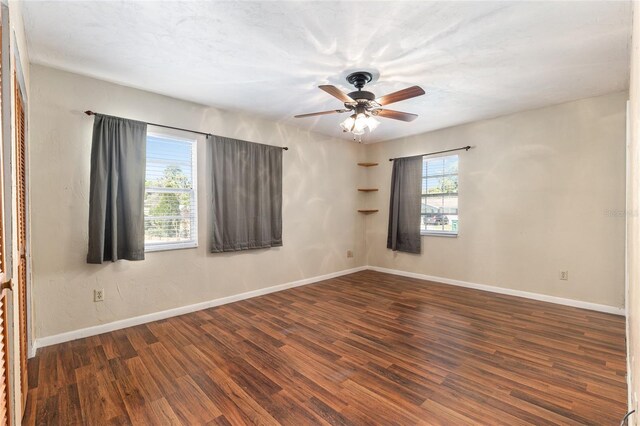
[
  {"x": 170, "y": 202},
  {"x": 440, "y": 195}
]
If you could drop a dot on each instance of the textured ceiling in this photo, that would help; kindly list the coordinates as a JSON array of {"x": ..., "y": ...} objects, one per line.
[{"x": 475, "y": 59}]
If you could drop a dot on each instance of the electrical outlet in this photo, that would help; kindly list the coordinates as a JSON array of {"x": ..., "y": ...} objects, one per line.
[
  {"x": 349, "y": 253},
  {"x": 564, "y": 275},
  {"x": 98, "y": 295}
]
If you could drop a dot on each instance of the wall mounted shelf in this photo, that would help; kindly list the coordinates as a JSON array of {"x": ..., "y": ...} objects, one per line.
[{"x": 366, "y": 190}]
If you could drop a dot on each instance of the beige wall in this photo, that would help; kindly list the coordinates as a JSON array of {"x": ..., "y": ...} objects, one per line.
[
  {"x": 319, "y": 211},
  {"x": 533, "y": 194},
  {"x": 633, "y": 225}
]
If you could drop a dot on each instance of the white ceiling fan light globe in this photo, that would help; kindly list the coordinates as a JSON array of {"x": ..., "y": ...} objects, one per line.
[
  {"x": 347, "y": 125},
  {"x": 360, "y": 124},
  {"x": 372, "y": 123}
]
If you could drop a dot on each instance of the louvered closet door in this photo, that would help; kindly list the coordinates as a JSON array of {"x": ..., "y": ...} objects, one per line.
[
  {"x": 4, "y": 332},
  {"x": 21, "y": 183}
]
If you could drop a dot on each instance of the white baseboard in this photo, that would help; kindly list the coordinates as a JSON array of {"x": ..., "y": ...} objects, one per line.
[
  {"x": 142, "y": 319},
  {"x": 502, "y": 290}
]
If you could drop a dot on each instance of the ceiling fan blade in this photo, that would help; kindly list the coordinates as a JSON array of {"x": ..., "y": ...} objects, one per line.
[
  {"x": 311, "y": 114},
  {"x": 400, "y": 95},
  {"x": 337, "y": 93},
  {"x": 396, "y": 115}
]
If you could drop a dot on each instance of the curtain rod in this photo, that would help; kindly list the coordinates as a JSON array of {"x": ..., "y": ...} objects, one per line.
[
  {"x": 466, "y": 148},
  {"x": 89, "y": 112}
]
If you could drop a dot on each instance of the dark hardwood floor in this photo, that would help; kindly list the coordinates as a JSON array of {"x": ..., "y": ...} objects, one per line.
[{"x": 367, "y": 348}]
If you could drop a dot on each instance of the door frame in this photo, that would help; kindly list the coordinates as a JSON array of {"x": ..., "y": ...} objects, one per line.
[
  {"x": 7, "y": 138},
  {"x": 6, "y": 168}
]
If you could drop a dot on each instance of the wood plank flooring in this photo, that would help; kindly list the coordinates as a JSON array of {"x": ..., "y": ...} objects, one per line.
[{"x": 367, "y": 348}]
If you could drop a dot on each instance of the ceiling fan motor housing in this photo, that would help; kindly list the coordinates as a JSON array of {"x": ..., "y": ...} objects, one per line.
[{"x": 362, "y": 95}]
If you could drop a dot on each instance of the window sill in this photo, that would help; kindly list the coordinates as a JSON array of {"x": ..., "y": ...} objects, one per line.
[
  {"x": 439, "y": 234},
  {"x": 168, "y": 247}
]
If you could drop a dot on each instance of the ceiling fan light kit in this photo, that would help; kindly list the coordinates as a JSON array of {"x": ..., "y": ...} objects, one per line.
[
  {"x": 364, "y": 105},
  {"x": 358, "y": 123}
]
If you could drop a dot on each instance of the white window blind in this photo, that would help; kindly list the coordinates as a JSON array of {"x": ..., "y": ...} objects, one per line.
[
  {"x": 440, "y": 195},
  {"x": 170, "y": 202}
]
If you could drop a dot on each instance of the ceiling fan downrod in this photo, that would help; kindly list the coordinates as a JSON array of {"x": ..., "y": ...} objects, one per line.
[{"x": 359, "y": 78}]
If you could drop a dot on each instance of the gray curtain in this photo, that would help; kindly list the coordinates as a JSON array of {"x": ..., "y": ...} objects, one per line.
[
  {"x": 246, "y": 195},
  {"x": 116, "y": 197},
  {"x": 405, "y": 204}
]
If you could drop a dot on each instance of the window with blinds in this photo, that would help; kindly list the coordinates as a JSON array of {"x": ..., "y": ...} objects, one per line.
[
  {"x": 440, "y": 195},
  {"x": 170, "y": 202}
]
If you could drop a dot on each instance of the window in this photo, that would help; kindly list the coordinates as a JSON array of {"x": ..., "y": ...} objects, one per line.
[
  {"x": 170, "y": 200},
  {"x": 440, "y": 196}
]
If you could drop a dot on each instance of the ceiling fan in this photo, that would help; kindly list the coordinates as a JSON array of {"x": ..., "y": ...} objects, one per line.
[{"x": 365, "y": 106}]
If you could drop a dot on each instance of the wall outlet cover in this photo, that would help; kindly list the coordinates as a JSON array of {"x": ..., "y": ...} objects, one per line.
[
  {"x": 98, "y": 295},
  {"x": 564, "y": 275}
]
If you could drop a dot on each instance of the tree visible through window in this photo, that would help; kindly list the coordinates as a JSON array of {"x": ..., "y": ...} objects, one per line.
[
  {"x": 170, "y": 204},
  {"x": 440, "y": 195}
]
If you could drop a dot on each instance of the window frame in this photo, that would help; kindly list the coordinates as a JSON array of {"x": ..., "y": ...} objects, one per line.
[
  {"x": 436, "y": 233},
  {"x": 166, "y": 246}
]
